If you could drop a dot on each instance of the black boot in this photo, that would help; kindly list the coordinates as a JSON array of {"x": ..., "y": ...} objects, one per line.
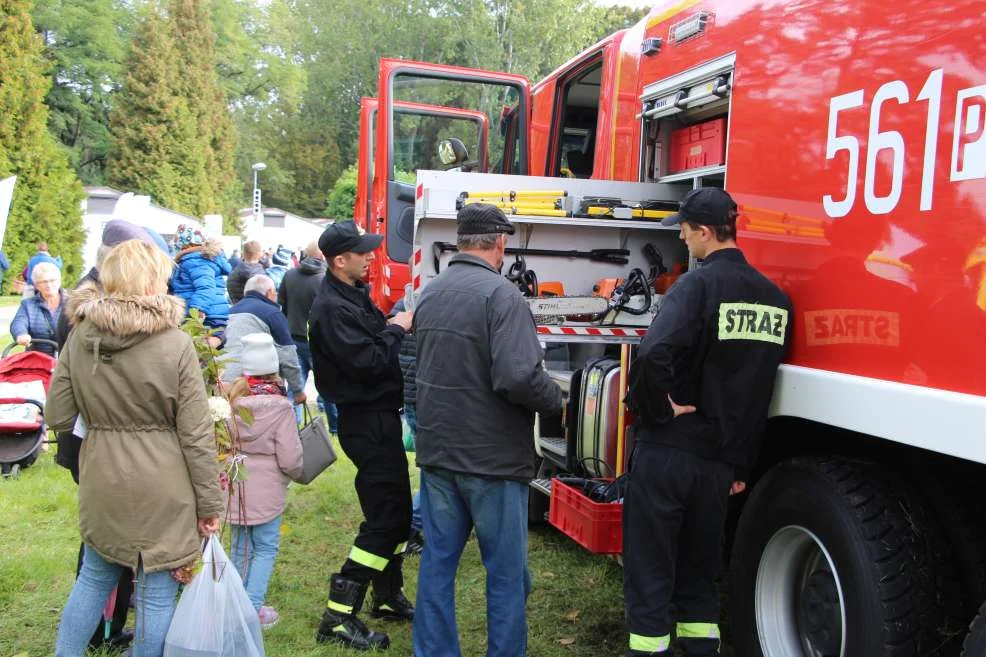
[
  {"x": 396, "y": 607},
  {"x": 339, "y": 622},
  {"x": 388, "y": 595}
]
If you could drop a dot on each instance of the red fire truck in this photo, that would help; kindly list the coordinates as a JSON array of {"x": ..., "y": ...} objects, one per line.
[{"x": 853, "y": 136}]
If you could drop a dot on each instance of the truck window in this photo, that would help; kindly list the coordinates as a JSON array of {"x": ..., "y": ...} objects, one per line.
[
  {"x": 417, "y": 137},
  {"x": 417, "y": 140},
  {"x": 574, "y": 136},
  {"x": 685, "y": 122}
]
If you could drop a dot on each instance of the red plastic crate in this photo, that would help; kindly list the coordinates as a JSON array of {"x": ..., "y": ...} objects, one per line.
[
  {"x": 699, "y": 145},
  {"x": 596, "y": 526}
]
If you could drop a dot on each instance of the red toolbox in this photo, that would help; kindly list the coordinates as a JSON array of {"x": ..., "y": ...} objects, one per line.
[
  {"x": 596, "y": 526},
  {"x": 699, "y": 145}
]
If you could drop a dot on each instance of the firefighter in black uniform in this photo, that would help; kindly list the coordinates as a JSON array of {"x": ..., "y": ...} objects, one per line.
[
  {"x": 700, "y": 385},
  {"x": 354, "y": 353}
]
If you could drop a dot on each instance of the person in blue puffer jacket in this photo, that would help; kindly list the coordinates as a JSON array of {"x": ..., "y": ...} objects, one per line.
[{"x": 199, "y": 276}]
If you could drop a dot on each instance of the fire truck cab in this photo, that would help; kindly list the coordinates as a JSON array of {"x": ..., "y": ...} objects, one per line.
[{"x": 853, "y": 137}]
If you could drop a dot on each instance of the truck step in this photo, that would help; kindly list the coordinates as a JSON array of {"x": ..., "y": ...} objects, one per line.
[
  {"x": 554, "y": 445},
  {"x": 542, "y": 486}
]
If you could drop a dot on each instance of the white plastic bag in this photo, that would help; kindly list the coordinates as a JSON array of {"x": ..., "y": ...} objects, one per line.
[{"x": 214, "y": 617}]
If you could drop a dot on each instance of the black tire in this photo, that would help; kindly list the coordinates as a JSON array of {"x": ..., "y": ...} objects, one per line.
[
  {"x": 961, "y": 515},
  {"x": 831, "y": 539},
  {"x": 975, "y": 641},
  {"x": 29, "y": 460}
]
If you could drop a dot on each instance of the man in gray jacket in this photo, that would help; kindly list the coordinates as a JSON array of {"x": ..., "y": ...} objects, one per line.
[
  {"x": 258, "y": 312},
  {"x": 480, "y": 382}
]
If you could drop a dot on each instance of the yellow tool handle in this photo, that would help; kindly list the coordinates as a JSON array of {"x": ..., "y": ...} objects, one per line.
[
  {"x": 534, "y": 203},
  {"x": 511, "y": 195},
  {"x": 594, "y": 211},
  {"x": 653, "y": 214},
  {"x": 536, "y": 212},
  {"x": 601, "y": 211}
]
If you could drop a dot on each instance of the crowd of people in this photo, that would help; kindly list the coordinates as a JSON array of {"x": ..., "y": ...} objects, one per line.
[
  {"x": 117, "y": 333},
  {"x": 463, "y": 370}
]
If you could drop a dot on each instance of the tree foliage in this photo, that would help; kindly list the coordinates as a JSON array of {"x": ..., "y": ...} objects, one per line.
[
  {"x": 201, "y": 87},
  {"x": 342, "y": 198},
  {"x": 291, "y": 74},
  {"x": 86, "y": 43},
  {"x": 156, "y": 150},
  {"x": 174, "y": 139},
  {"x": 530, "y": 37},
  {"x": 47, "y": 196}
]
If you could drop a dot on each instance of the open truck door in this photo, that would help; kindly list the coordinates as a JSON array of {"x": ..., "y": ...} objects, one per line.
[
  {"x": 473, "y": 125},
  {"x": 431, "y": 117}
]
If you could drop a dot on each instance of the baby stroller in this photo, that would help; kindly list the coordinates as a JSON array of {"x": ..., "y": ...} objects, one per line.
[{"x": 24, "y": 380}]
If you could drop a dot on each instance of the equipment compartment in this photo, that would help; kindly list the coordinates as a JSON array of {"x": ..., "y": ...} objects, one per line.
[{"x": 699, "y": 145}]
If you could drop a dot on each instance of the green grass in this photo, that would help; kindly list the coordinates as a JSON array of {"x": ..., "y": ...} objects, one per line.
[
  {"x": 575, "y": 608},
  {"x": 10, "y": 300}
]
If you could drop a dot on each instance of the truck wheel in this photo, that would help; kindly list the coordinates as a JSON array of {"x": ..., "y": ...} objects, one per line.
[
  {"x": 961, "y": 519},
  {"x": 827, "y": 562},
  {"x": 975, "y": 641}
]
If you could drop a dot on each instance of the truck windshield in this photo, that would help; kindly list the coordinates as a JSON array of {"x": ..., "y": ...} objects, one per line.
[{"x": 417, "y": 137}]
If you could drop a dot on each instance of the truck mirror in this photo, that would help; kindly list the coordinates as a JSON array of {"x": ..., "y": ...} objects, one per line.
[{"x": 452, "y": 152}]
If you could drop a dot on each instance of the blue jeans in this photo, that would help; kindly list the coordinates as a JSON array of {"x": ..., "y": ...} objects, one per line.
[
  {"x": 452, "y": 505},
  {"x": 254, "y": 552},
  {"x": 156, "y": 600},
  {"x": 305, "y": 360}
]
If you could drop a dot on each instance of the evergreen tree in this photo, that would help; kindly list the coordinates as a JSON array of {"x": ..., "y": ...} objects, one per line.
[
  {"x": 200, "y": 85},
  {"x": 174, "y": 138},
  {"x": 48, "y": 196},
  {"x": 156, "y": 146}
]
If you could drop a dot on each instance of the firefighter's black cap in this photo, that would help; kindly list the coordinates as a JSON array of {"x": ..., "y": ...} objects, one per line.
[
  {"x": 344, "y": 236},
  {"x": 706, "y": 206},
  {"x": 482, "y": 219}
]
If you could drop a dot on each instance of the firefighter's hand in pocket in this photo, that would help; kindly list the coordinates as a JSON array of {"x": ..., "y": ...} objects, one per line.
[
  {"x": 737, "y": 487},
  {"x": 680, "y": 410}
]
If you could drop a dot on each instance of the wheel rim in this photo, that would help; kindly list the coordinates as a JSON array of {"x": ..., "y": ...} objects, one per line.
[{"x": 800, "y": 606}]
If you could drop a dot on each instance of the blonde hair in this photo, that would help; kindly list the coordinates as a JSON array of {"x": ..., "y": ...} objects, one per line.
[
  {"x": 43, "y": 269},
  {"x": 241, "y": 387},
  {"x": 135, "y": 268}
]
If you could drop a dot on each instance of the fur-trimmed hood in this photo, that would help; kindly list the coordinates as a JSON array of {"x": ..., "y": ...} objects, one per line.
[
  {"x": 209, "y": 249},
  {"x": 124, "y": 320}
]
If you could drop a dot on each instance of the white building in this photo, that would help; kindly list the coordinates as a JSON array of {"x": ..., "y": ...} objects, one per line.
[
  {"x": 278, "y": 227},
  {"x": 105, "y": 203}
]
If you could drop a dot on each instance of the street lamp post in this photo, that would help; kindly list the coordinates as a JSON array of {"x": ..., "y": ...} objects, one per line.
[{"x": 257, "y": 209}]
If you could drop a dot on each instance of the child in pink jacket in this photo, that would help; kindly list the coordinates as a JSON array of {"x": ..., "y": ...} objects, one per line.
[{"x": 273, "y": 458}]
